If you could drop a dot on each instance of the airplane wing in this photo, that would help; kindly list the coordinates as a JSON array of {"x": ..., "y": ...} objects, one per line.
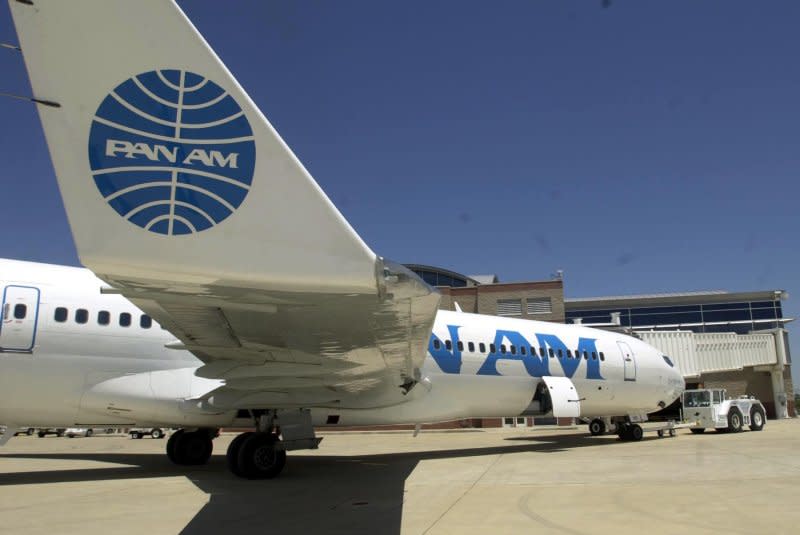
[{"x": 182, "y": 196}]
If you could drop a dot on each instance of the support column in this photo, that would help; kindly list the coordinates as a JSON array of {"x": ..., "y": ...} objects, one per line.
[{"x": 776, "y": 374}]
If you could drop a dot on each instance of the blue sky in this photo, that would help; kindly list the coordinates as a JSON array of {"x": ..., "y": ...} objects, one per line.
[{"x": 641, "y": 147}]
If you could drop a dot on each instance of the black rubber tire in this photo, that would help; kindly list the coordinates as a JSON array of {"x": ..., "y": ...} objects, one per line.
[
  {"x": 635, "y": 433},
  {"x": 698, "y": 430},
  {"x": 40, "y": 434},
  {"x": 193, "y": 449},
  {"x": 734, "y": 420},
  {"x": 60, "y": 433},
  {"x": 171, "y": 445},
  {"x": 259, "y": 458},
  {"x": 232, "y": 455},
  {"x": 597, "y": 427},
  {"x": 623, "y": 431},
  {"x": 156, "y": 433},
  {"x": 757, "y": 418},
  {"x": 29, "y": 431},
  {"x": 89, "y": 433}
]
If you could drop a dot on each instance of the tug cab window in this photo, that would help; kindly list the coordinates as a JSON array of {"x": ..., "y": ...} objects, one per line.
[{"x": 697, "y": 399}]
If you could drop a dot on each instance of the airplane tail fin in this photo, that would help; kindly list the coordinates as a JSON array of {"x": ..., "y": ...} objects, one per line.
[{"x": 165, "y": 165}]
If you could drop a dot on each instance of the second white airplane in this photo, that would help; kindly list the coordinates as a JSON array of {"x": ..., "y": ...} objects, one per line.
[{"x": 225, "y": 289}]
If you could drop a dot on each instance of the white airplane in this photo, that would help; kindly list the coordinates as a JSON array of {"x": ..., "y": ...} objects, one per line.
[{"x": 224, "y": 289}]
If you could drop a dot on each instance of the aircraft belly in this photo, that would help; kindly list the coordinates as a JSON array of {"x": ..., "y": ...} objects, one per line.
[{"x": 446, "y": 397}]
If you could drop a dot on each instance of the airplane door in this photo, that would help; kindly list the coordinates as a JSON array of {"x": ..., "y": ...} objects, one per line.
[
  {"x": 628, "y": 361},
  {"x": 20, "y": 313}
]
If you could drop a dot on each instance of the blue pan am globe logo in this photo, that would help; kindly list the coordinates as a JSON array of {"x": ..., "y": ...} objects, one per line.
[{"x": 172, "y": 152}]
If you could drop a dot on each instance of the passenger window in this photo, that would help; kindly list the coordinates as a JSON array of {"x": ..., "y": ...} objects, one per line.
[
  {"x": 471, "y": 347},
  {"x": 104, "y": 317},
  {"x": 503, "y": 349},
  {"x": 145, "y": 321},
  {"x": 492, "y": 348},
  {"x": 61, "y": 315},
  {"x": 20, "y": 311},
  {"x": 81, "y": 315},
  {"x": 561, "y": 353},
  {"x": 523, "y": 350},
  {"x": 594, "y": 355},
  {"x": 460, "y": 345},
  {"x": 602, "y": 357},
  {"x": 436, "y": 343},
  {"x": 569, "y": 353},
  {"x": 482, "y": 347},
  {"x": 585, "y": 355},
  {"x": 551, "y": 352},
  {"x": 513, "y": 349},
  {"x": 541, "y": 352},
  {"x": 448, "y": 345},
  {"x": 125, "y": 320}
]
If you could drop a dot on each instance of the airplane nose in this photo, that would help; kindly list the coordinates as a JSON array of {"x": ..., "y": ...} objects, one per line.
[{"x": 677, "y": 384}]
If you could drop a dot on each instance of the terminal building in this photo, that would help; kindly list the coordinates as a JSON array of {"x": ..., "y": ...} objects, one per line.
[{"x": 719, "y": 339}]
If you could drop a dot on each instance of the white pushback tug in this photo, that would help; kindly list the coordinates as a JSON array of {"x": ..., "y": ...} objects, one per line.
[{"x": 710, "y": 408}]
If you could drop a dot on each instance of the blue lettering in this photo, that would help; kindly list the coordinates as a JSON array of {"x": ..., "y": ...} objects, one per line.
[
  {"x": 551, "y": 341},
  {"x": 535, "y": 366},
  {"x": 448, "y": 361},
  {"x": 586, "y": 345}
]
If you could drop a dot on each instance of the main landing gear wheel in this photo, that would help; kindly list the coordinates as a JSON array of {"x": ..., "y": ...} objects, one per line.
[
  {"x": 232, "y": 456},
  {"x": 190, "y": 448},
  {"x": 597, "y": 427},
  {"x": 157, "y": 433},
  {"x": 260, "y": 456}
]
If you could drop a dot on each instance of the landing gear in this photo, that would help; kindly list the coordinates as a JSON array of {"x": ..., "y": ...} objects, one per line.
[
  {"x": 597, "y": 427},
  {"x": 190, "y": 448},
  {"x": 262, "y": 454},
  {"x": 256, "y": 455}
]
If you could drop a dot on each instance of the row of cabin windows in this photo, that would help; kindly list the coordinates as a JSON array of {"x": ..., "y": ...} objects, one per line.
[
  {"x": 103, "y": 317},
  {"x": 523, "y": 350}
]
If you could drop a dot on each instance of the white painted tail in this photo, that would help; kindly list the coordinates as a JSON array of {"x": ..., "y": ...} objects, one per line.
[{"x": 167, "y": 169}]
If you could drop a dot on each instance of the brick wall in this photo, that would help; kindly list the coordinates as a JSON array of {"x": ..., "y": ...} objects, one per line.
[{"x": 483, "y": 299}]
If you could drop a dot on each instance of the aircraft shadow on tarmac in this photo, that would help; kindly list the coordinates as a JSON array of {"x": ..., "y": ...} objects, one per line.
[{"x": 330, "y": 494}]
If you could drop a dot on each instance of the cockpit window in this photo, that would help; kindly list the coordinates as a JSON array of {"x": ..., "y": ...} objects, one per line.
[{"x": 668, "y": 361}]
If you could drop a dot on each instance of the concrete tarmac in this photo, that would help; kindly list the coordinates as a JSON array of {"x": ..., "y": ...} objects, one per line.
[{"x": 529, "y": 480}]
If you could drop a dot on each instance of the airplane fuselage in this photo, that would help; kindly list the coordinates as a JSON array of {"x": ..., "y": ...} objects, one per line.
[{"x": 76, "y": 356}]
